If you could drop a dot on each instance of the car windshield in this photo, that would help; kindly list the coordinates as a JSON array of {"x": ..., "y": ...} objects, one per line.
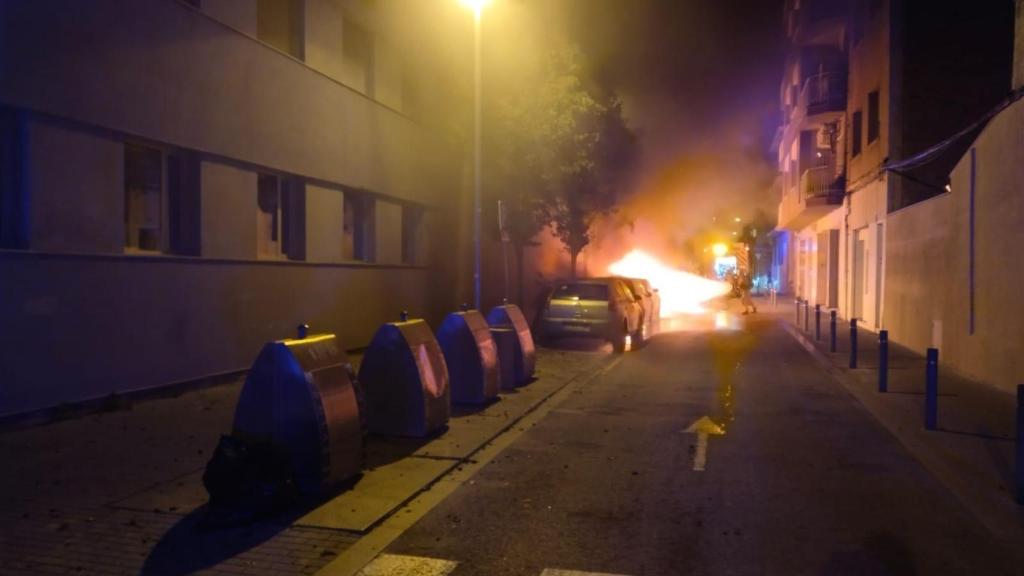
[{"x": 581, "y": 292}]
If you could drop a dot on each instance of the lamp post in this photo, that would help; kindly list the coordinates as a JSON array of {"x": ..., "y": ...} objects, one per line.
[{"x": 477, "y": 7}]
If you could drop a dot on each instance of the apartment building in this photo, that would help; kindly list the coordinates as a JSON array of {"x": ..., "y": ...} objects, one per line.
[
  {"x": 869, "y": 83},
  {"x": 181, "y": 181}
]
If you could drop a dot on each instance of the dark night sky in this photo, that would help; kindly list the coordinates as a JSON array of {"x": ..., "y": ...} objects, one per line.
[{"x": 686, "y": 66}]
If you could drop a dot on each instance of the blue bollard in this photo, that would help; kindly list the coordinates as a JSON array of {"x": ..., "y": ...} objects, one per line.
[
  {"x": 817, "y": 322},
  {"x": 832, "y": 328},
  {"x": 302, "y": 330},
  {"x": 931, "y": 390},
  {"x": 798, "y": 312},
  {"x": 883, "y": 360},
  {"x": 1019, "y": 460},
  {"x": 807, "y": 316},
  {"x": 404, "y": 316},
  {"x": 853, "y": 342}
]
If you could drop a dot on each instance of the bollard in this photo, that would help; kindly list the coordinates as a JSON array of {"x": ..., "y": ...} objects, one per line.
[
  {"x": 931, "y": 389},
  {"x": 817, "y": 322},
  {"x": 797, "y": 312},
  {"x": 853, "y": 342},
  {"x": 1019, "y": 460},
  {"x": 302, "y": 330},
  {"x": 883, "y": 360},
  {"x": 832, "y": 329},
  {"x": 807, "y": 316},
  {"x": 404, "y": 316}
]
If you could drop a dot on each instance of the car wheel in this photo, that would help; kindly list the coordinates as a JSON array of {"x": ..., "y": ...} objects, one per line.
[
  {"x": 619, "y": 342},
  {"x": 641, "y": 334}
]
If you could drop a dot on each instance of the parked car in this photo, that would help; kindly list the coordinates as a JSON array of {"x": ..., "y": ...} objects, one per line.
[
  {"x": 596, "y": 308},
  {"x": 650, "y": 301}
]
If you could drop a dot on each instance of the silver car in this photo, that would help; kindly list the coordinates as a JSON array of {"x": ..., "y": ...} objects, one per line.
[
  {"x": 650, "y": 301},
  {"x": 595, "y": 307}
]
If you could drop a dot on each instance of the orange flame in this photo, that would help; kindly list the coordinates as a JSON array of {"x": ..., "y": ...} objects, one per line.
[{"x": 681, "y": 292}]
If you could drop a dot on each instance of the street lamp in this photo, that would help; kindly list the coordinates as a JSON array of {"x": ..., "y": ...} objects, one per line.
[
  {"x": 719, "y": 249},
  {"x": 477, "y": 6}
]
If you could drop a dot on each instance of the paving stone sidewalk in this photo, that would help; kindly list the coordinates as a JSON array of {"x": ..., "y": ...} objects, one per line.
[{"x": 120, "y": 492}]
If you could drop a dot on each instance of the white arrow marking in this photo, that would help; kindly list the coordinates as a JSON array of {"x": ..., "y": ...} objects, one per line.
[{"x": 703, "y": 427}]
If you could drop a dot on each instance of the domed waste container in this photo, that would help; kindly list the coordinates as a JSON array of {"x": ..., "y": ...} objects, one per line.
[
  {"x": 405, "y": 380},
  {"x": 471, "y": 357},
  {"x": 525, "y": 354},
  {"x": 301, "y": 398}
]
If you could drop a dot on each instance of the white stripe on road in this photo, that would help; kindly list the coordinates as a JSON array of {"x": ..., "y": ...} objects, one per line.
[
  {"x": 554, "y": 572},
  {"x": 399, "y": 565}
]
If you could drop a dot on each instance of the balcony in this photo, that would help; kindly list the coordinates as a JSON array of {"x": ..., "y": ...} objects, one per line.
[
  {"x": 823, "y": 93},
  {"x": 816, "y": 21},
  {"x": 818, "y": 193}
]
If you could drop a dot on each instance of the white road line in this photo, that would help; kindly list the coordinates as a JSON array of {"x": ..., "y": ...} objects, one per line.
[
  {"x": 399, "y": 565},
  {"x": 556, "y": 572}
]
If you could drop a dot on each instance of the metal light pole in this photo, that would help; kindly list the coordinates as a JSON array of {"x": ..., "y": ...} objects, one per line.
[
  {"x": 477, "y": 208},
  {"x": 477, "y": 6}
]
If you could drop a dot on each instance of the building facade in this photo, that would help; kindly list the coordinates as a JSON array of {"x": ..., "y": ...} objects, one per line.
[
  {"x": 868, "y": 84},
  {"x": 181, "y": 181}
]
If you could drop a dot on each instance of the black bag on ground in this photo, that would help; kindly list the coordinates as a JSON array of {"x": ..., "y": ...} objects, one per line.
[{"x": 247, "y": 476}]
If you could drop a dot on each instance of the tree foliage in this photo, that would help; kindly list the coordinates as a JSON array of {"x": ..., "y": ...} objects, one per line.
[{"x": 564, "y": 152}]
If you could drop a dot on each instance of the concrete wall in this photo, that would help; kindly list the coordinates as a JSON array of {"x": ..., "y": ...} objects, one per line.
[
  {"x": 239, "y": 14},
  {"x": 139, "y": 53},
  {"x": 324, "y": 224},
  {"x": 1018, "y": 48},
  {"x": 78, "y": 191},
  {"x": 993, "y": 351},
  {"x": 389, "y": 233},
  {"x": 928, "y": 282},
  {"x": 140, "y": 322},
  {"x": 82, "y": 319},
  {"x": 228, "y": 211},
  {"x": 917, "y": 272}
]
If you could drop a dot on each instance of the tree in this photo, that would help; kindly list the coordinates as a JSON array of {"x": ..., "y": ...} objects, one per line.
[{"x": 563, "y": 153}]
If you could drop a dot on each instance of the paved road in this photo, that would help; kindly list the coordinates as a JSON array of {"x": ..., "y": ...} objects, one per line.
[{"x": 803, "y": 480}]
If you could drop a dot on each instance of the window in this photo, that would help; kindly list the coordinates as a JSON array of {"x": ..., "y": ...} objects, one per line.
[
  {"x": 183, "y": 203},
  {"x": 856, "y": 133},
  {"x": 280, "y": 218},
  {"x": 13, "y": 213},
  {"x": 279, "y": 23},
  {"x": 874, "y": 123},
  {"x": 358, "y": 57},
  {"x": 358, "y": 238},
  {"x": 143, "y": 198},
  {"x": 412, "y": 220}
]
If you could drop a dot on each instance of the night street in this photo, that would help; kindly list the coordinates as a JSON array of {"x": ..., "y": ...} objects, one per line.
[
  {"x": 511, "y": 287},
  {"x": 803, "y": 480}
]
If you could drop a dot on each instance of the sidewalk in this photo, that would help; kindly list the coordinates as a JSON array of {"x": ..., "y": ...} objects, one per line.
[
  {"x": 971, "y": 452},
  {"x": 121, "y": 492}
]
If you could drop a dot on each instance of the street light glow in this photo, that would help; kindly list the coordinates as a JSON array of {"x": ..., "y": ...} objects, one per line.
[
  {"x": 476, "y": 5},
  {"x": 719, "y": 249}
]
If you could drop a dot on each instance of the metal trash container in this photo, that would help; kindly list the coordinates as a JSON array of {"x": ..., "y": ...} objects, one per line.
[
  {"x": 525, "y": 359},
  {"x": 405, "y": 380},
  {"x": 471, "y": 357},
  {"x": 507, "y": 342},
  {"x": 301, "y": 397}
]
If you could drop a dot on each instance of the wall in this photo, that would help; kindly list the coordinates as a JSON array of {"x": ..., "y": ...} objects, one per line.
[
  {"x": 239, "y": 14},
  {"x": 929, "y": 261},
  {"x": 141, "y": 322},
  {"x": 1018, "y": 48},
  {"x": 137, "y": 53},
  {"x": 917, "y": 271},
  {"x": 81, "y": 318},
  {"x": 324, "y": 222},
  {"x": 78, "y": 190},
  {"x": 228, "y": 211},
  {"x": 993, "y": 352}
]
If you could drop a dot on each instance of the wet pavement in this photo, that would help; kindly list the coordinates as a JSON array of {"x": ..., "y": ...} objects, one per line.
[{"x": 721, "y": 448}]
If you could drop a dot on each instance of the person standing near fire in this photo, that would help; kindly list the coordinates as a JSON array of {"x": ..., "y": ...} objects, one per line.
[{"x": 746, "y": 284}]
